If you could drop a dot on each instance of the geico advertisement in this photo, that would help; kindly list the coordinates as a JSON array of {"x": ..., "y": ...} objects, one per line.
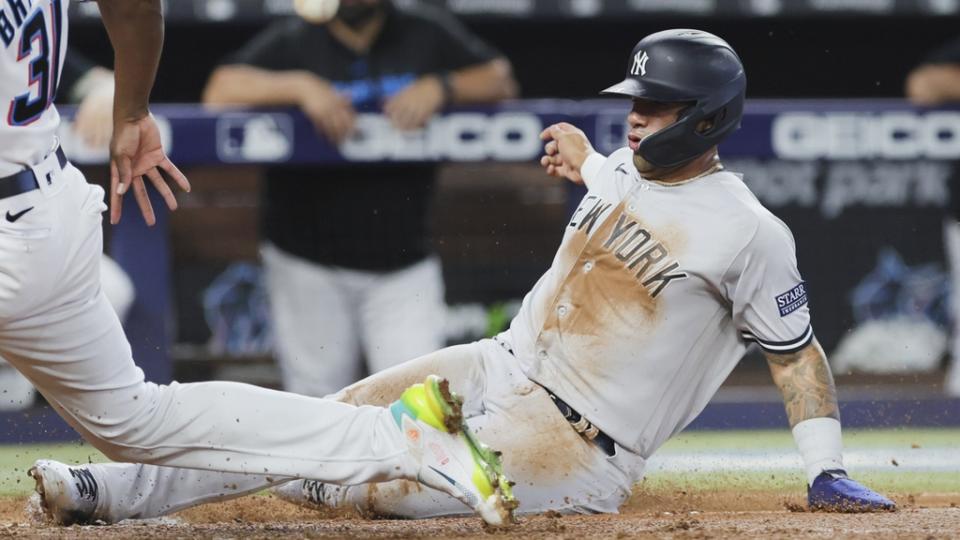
[
  {"x": 506, "y": 136},
  {"x": 854, "y": 135}
]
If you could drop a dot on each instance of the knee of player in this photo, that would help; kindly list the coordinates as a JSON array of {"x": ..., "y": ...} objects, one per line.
[{"x": 121, "y": 439}]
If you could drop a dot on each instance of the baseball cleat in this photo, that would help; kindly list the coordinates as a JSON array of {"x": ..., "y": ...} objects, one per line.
[
  {"x": 312, "y": 494},
  {"x": 834, "y": 491},
  {"x": 66, "y": 495},
  {"x": 450, "y": 458}
]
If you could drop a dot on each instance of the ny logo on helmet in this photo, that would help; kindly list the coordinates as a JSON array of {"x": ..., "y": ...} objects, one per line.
[{"x": 639, "y": 64}]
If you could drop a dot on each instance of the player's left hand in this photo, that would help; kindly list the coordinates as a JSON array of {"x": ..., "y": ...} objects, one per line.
[
  {"x": 834, "y": 491},
  {"x": 414, "y": 105},
  {"x": 136, "y": 152}
]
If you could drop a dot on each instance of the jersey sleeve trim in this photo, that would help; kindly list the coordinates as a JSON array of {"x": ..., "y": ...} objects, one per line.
[{"x": 782, "y": 347}]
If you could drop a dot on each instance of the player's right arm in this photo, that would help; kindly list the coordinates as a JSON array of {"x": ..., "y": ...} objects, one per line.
[
  {"x": 769, "y": 301},
  {"x": 805, "y": 382},
  {"x": 238, "y": 84},
  {"x": 135, "y": 28}
]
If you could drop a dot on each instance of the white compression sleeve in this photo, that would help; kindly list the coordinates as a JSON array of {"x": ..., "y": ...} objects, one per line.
[
  {"x": 820, "y": 445},
  {"x": 591, "y": 168}
]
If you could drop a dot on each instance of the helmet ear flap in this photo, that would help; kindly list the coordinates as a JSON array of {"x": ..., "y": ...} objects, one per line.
[{"x": 706, "y": 126}]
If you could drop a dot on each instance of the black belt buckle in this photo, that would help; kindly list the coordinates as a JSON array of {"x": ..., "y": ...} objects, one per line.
[
  {"x": 583, "y": 426},
  {"x": 26, "y": 181}
]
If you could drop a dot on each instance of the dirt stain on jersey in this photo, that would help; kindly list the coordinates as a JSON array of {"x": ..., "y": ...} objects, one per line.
[{"x": 609, "y": 300}]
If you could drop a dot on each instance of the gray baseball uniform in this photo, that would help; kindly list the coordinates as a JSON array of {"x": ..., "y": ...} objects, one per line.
[{"x": 652, "y": 299}]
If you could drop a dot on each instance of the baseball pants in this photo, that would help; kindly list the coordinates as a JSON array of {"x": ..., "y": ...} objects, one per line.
[
  {"x": 58, "y": 329},
  {"x": 951, "y": 241},
  {"x": 555, "y": 467},
  {"x": 18, "y": 393},
  {"x": 325, "y": 317}
]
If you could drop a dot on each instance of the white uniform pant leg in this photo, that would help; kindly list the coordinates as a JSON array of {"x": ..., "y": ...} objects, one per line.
[
  {"x": 402, "y": 315},
  {"x": 57, "y": 328},
  {"x": 16, "y": 392},
  {"x": 951, "y": 241},
  {"x": 314, "y": 312},
  {"x": 130, "y": 491},
  {"x": 138, "y": 491},
  {"x": 88, "y": 375}
]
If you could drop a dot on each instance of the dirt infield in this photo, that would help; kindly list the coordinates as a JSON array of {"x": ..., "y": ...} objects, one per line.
[{"x": 721, "y": 514}]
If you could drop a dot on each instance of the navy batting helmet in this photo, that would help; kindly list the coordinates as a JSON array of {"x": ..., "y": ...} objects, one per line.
[{"x": 686, "y": 66}]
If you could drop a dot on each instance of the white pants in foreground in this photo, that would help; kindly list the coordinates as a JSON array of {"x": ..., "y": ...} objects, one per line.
[
  {"x": 951, "y": 242},
  {"x": 325, "y": 317},
  {"x": 554, "y": 467},
  {"x": 58, "y": 329},
  {"x": 18, "y": 393}
]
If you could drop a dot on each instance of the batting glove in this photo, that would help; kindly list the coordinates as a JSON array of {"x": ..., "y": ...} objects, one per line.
[{"x": 834, "y": 491}]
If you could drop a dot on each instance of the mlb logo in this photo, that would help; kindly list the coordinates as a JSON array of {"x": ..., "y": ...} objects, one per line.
[{"x": 254, "y": 137}]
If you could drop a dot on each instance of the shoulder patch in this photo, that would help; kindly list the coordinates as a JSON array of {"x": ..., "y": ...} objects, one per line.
[{"x": 792, "y": 300}]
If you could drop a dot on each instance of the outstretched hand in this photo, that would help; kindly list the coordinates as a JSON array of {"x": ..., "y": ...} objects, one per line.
[
  {"x": 135, "y": 153},
  {"x": 566, "y": 149}
]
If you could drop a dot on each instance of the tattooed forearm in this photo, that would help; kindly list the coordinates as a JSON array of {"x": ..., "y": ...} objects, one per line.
[{"x": 806, "y": 383}]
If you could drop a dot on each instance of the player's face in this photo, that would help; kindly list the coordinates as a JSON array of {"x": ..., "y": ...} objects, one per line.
[{"x": 646, "y": 118}]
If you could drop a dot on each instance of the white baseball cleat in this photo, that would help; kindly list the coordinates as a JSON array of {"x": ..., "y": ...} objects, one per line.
[{"x": 66, "y": 495}]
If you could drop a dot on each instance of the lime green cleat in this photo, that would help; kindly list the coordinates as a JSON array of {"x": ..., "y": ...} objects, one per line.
[{"x": 451, "y": 458}]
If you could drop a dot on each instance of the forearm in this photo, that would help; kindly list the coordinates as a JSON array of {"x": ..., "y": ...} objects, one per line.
[
  {"x": 247, "y": 85},
  {"x": 810, "y": 398},
  {"x": 806, "y": 384},
  {"x": 135, "y": 28},
  {"x": 484, "y": 83}
]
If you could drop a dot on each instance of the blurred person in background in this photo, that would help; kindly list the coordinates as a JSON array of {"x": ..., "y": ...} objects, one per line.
[
  {"x": 936, "y": 82},
  {"x": 90, "y": 87},
  {"x": 349, "y": 270}
]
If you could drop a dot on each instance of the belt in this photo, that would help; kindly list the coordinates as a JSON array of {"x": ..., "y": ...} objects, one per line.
[
  {"x": 584, "y": 427},
  {"x": 26, "y": 181},
  {"x": 579, "y": 423}
]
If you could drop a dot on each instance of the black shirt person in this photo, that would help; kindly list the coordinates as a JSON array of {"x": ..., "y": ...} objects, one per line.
[{"x": 349, "y": 269}]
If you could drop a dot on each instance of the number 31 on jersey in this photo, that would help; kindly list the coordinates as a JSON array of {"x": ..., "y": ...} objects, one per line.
[{"x": 40, "y": 29}]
